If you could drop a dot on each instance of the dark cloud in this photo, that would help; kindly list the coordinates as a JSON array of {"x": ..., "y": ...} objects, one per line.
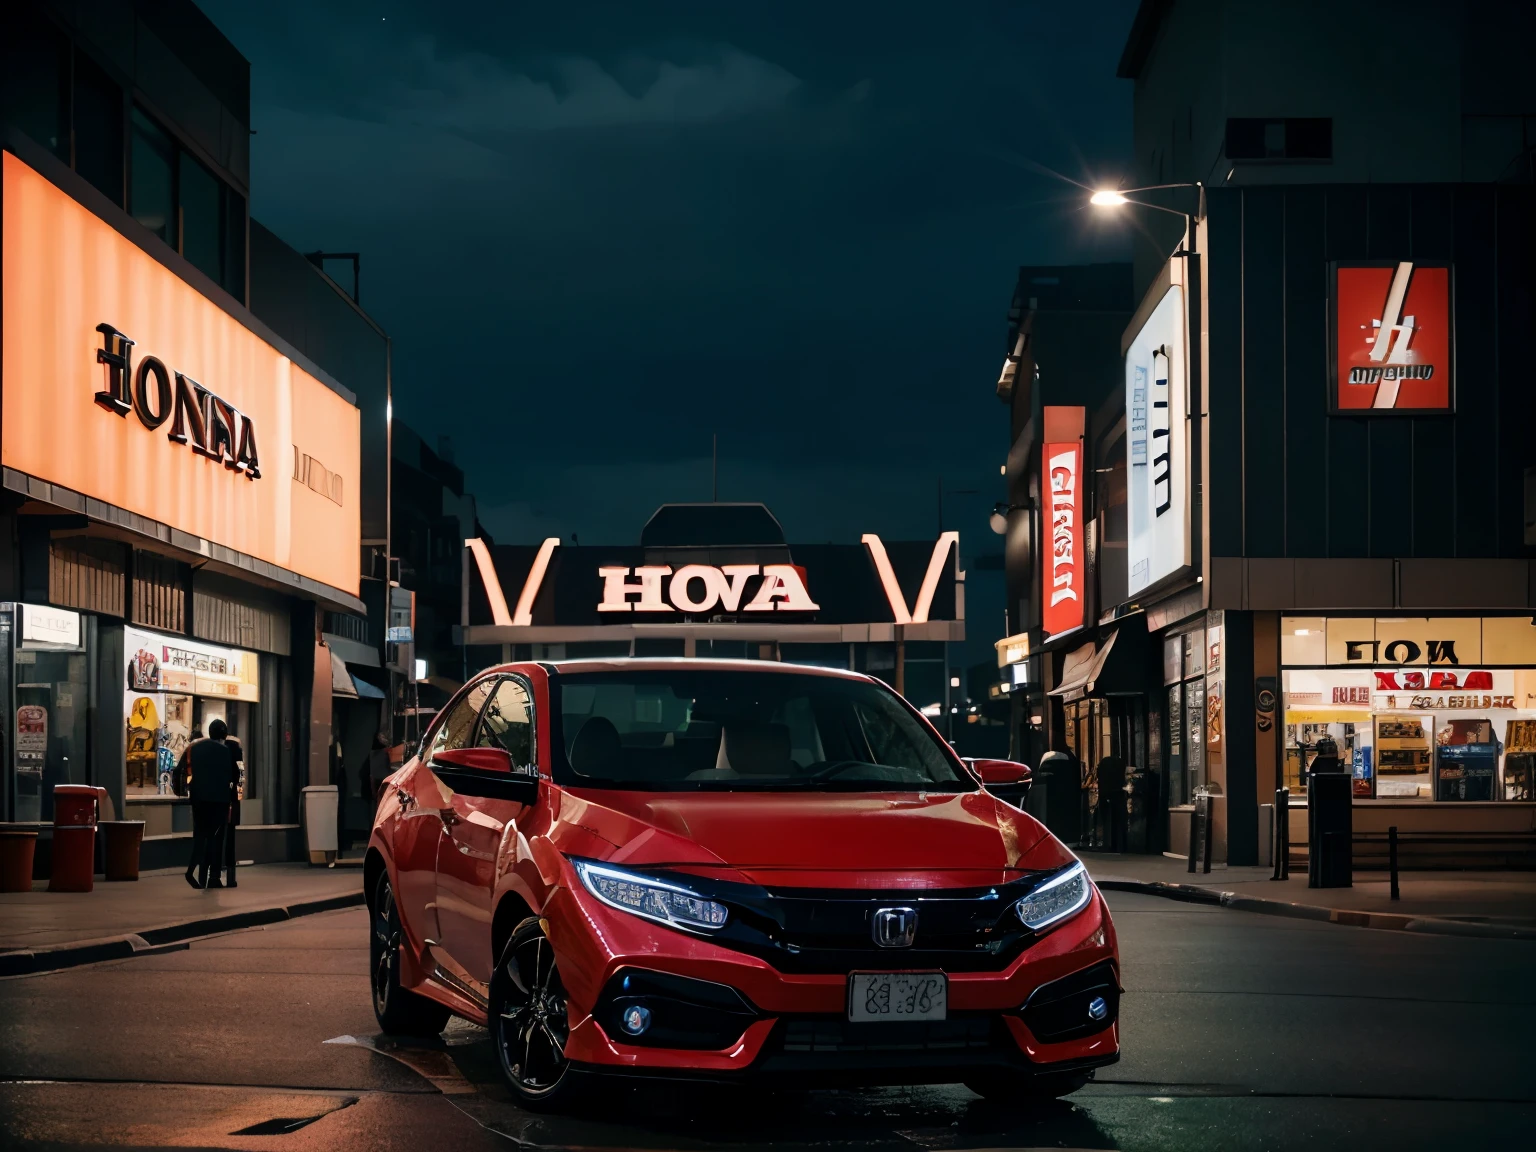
[{"x": 601, "y": 231}]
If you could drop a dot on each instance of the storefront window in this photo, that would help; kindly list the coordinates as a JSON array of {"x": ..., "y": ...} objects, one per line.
[
  {"x": 176, "y": 688},
  {"x": 1411, "y": 705}
]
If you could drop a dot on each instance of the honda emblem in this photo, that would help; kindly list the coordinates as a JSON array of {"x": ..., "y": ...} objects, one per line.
[{"x": 894, "y": 927}]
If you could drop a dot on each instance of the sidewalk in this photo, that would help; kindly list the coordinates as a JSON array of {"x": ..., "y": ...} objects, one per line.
[
  {"x": 1495, "y": 904},
  {"x": 42, "y": 930}
]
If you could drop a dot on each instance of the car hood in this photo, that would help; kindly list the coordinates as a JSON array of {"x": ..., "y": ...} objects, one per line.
[{"x": 822, "y": 839}]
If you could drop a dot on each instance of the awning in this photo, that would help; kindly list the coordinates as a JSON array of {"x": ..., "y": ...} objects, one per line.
[
  {"x": 367, "y": 691},
  {"x": 341, "y": 679},
  {"x": 1081, "y": 668}
]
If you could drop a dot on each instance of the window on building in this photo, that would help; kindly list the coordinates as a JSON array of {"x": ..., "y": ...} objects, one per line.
[
  {"x": 177, "y": 198},
  {"x": 98, "y": 117},
  {"x": 34, "y": 78},
  {"x": 153, "y": 199},
  {"x": 1290, "y": 138},
  {"x": 201, "y": 197}
]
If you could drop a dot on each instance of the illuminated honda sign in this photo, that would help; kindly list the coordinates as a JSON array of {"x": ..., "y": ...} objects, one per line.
[
  {"x": 698, "y": 588},
  {"x": 208, "y": 424}
]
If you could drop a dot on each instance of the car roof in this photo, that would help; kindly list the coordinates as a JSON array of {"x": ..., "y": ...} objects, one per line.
[{"x": 691, "y": 663}]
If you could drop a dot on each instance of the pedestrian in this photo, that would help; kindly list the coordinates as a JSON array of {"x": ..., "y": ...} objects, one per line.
[
  {"x": 212, "y": 787},
  {"x": 236, "y": 753},
  {"x": 379, "y": 768},
  {"x": 339, "y": 778},
  {"x": 1327, "y": 758},
  {"x": 179, "y": 781}
]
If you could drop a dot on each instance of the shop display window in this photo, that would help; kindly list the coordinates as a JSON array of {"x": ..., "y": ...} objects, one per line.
[
  {"x": 1432, "y": 734},
  {"x": 174, "y": 689}
]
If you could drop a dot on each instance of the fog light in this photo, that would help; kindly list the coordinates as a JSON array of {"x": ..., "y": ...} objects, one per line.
[
  {"x": 1097, "y": 1009},
  {"x": 637, "y": 1018}
]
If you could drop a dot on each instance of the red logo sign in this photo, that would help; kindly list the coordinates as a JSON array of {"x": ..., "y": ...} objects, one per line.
[
  {"x": 1062, "y": 570},
  {"x": 1392, "y": 337}
]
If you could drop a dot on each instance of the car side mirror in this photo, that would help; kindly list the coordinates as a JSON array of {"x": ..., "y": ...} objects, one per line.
[
  {"x": 487, "y": 772},
  {"x": 1001, "y": 771},
  {"x": 474, "y": 759},
  {"x": 1008, "y": 780}
]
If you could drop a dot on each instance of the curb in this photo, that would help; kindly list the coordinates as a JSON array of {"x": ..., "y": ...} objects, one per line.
[
  {"x": 1353, "y": 918},
  {"x": 167, "y": 938}
]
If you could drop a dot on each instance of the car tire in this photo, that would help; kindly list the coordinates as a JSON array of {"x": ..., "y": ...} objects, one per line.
[
  {"x": 529, "y": 1022},
  {"x": 400, "y": 1011},
  {"x": 1011, "y": 1088}
]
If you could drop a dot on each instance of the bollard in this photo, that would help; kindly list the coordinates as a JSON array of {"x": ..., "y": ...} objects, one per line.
[
  {"x": 1282, "y": 837},
  {"x": 1208, "y": 829},
  {"x": 1392, "y": 859}
]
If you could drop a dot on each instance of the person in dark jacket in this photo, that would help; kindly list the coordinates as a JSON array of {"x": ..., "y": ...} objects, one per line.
[
  {"x": 212, "y": 788},
  {"x": 238, "y": 755},
  {"x": 379, "y": 768}
]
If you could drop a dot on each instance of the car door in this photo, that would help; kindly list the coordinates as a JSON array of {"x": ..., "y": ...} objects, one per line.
[
  {"x": 482, "y": 810},
  {"x": 422, "y": 799}
]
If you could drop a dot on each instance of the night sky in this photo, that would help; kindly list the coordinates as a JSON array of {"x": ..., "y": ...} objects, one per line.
[{"x": 600, "y": 230}]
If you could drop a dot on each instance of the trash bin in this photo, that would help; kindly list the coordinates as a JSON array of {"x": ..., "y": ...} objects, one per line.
[
  {"x": 74, "y": 838},
  {"x": 320, "y": 802},
  {"x": 121, "y": 842},
  {"x": 18, "y": 848},
  {"x": 1330, "y": 804},
  {"x": 1056, "y": 798}
]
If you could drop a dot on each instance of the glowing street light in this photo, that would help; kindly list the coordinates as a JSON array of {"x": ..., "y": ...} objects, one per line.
[{"x": 1107, "y": 198}]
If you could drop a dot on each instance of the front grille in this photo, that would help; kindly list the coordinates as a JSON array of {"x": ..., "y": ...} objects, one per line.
[
  {"x": 804, "y": 930},
  {"x": 832, "y": 1034}
]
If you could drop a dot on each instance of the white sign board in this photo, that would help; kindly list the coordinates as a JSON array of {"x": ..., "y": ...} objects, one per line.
[
  {"x": 42, "y": 624},
  {"x": 1157, "y": 444}
]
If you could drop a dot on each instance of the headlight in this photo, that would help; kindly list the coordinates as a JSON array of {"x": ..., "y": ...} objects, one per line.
[
  {"x": 1063, "y": 895},
  {"x": 654, "y": 899}
]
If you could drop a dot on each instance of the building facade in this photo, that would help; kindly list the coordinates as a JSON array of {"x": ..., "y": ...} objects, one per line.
[
  {"x": 181, "y": 481},
  {"x": 1310, "y": 502}
]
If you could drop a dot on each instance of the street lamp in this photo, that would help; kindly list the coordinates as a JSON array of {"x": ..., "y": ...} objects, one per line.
[{"x": 1115, "y": 197}]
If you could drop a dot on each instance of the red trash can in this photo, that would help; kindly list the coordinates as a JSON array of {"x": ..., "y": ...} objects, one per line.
[
  {"x": 74, "y": 838},
  {"x": 121, "y": 840},
  {"x": 17, "y": 846}
]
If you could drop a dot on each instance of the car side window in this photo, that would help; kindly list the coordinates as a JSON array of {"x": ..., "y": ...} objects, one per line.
[
  {"x": 458, "y": 727},
  {"x": 508, "y": 722}
]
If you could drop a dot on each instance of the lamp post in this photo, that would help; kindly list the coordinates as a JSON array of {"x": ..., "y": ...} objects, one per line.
[{"x": 1119, "y": 197}]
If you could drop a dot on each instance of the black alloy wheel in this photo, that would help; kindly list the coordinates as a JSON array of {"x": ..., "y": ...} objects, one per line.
[
  {"x": 529, "y": 1022},
  {"x": 400, "y": 1011}
]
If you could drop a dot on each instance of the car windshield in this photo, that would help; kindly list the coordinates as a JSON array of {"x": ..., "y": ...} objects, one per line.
[{"x": 692, "y": 729}]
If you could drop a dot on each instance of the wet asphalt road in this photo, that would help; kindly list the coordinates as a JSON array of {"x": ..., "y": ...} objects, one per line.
[{"x": 1240, "y": 1031}]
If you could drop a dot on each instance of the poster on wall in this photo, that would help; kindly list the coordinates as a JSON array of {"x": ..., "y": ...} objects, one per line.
[
  {"x": 31, "y": 737},
  {"x": 1062, "y": 592},
  {"x": 1391, "y": 337},
  {"x": 1157, "y": 497}
]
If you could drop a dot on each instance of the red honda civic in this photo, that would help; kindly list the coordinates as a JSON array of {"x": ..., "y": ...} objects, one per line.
[{"x": 730, "y": 870}]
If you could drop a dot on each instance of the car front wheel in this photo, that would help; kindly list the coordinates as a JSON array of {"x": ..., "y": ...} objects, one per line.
[
  {"x": 400, "y": 1011},
  {"x": 529, "y": 1021}
]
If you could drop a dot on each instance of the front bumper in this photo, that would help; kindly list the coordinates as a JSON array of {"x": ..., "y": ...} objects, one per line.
[{"x": 794, "y": 1024}]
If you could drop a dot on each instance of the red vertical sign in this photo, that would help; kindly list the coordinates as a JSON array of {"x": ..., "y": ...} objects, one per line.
[{"x": 1062, "y": 567}]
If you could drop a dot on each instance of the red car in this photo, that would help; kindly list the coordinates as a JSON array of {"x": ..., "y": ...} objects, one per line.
[{"x": 730, "y": 870}]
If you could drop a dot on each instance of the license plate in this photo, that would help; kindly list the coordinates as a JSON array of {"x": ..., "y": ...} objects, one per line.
[{"x": 897, "y": 996}]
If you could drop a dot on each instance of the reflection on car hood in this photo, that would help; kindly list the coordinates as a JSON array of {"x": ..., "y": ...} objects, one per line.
[{"x": 862, "y": 840}]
